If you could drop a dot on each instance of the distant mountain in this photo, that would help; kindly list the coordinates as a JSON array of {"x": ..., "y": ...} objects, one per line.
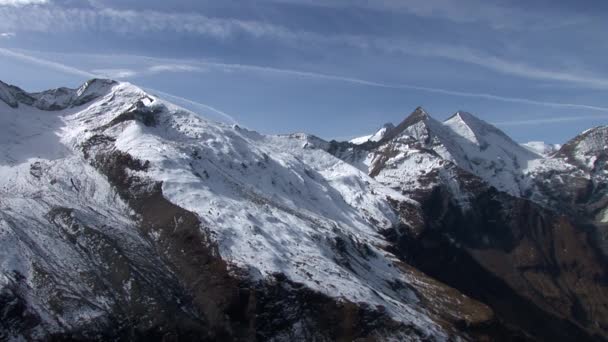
[
  {"x": 542, "y": 148},
  {"x": 125, "y": 217},
  {"x": 374, "y": 137}
]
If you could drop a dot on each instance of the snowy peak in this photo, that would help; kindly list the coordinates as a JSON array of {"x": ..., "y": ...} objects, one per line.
[
  {"x": 468, "y": 142},
  {"x": 471, "y": 128},
  {"x": 475, "y": 130},
  {"x": 56, "y": 99},
  {"x": 418, "y": 115},
  {"x": 484, "y": 135},
  {"x": 419, "y": 125}
]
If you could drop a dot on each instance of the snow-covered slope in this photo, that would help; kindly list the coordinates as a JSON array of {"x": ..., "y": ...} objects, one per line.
[
  {"x": 273, "y": 206},
  {"x": 489, "y": 153},
  {"x": 76, "y": 165},
  {"x": 421, "y": 145},
  {"x": 422, "y": 153}
]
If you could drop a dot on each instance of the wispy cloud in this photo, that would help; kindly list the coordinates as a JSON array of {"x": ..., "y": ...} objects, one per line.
[
  {"x": 7, "y": 35},
  {"x": 115, "y": 73},
  {"x": 17, "y": 3},
  {"x": 491, "y": 13},
  {"x": 494, "y": 63},
  {"x": 58, "y": 19},
  {"x": 174, "y": 68},
  {"x": 533, "y": 122}
]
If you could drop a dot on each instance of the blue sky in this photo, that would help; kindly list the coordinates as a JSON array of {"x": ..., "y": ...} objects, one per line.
[{"x": 335, "y": 68}]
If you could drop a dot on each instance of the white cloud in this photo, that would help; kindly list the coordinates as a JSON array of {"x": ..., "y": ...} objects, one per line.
[
  {"x": 52, "y": 18},
  {"x": 7, "y": 35},
  {"x": 58, "y": 19},
  {"x": 490, "y": 13},
  {"x": 115, "y": 73},
  {"x": 22, "y": 2},
  {"x": 174, "y": 68}
]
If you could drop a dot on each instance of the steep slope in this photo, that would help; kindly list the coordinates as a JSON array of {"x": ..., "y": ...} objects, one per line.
[
  {"x": 489, "y": 153},
  {"x": 575, "y": 181},
  {"x": 507, "y": 226},
  {"x": 123, "y": 216}
]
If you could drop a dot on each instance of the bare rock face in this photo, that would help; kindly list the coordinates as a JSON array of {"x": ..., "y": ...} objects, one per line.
[{"x": 532, "y": 266}]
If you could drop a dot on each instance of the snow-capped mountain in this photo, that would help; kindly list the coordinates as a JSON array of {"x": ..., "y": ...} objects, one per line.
[
  {"x": 471, "y": 144},
  {"x": 121, "y": 211},
  {"x": 479, "y": 194},
  {"x": 123, "y": 216}
]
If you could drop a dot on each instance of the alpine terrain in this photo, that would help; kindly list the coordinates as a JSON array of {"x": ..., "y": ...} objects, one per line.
[{"x": 125, "y": 217}]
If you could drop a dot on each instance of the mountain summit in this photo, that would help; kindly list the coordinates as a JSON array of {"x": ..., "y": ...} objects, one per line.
[{"x": 123, "y": 216}]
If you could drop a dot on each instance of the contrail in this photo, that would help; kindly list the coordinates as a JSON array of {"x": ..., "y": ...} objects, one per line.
[
  {"x": 194, "y": 103},
  {"x": 47, "y": 63},
  {"x": 549, "y": 120},
  {"x": 408, "y": 87}
]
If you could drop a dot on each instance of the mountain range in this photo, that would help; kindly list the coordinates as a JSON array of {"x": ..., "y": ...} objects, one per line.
[{"x": 125, "y": 217}]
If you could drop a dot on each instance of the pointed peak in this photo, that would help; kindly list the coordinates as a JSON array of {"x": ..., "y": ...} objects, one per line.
[
  {"x": 420, "y": 111},
  {"x": 419, "y": 114},
  {"x": 473, "y": 122}
]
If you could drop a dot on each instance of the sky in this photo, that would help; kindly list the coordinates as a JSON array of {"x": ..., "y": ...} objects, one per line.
[{"x": 334, "y": 68}]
